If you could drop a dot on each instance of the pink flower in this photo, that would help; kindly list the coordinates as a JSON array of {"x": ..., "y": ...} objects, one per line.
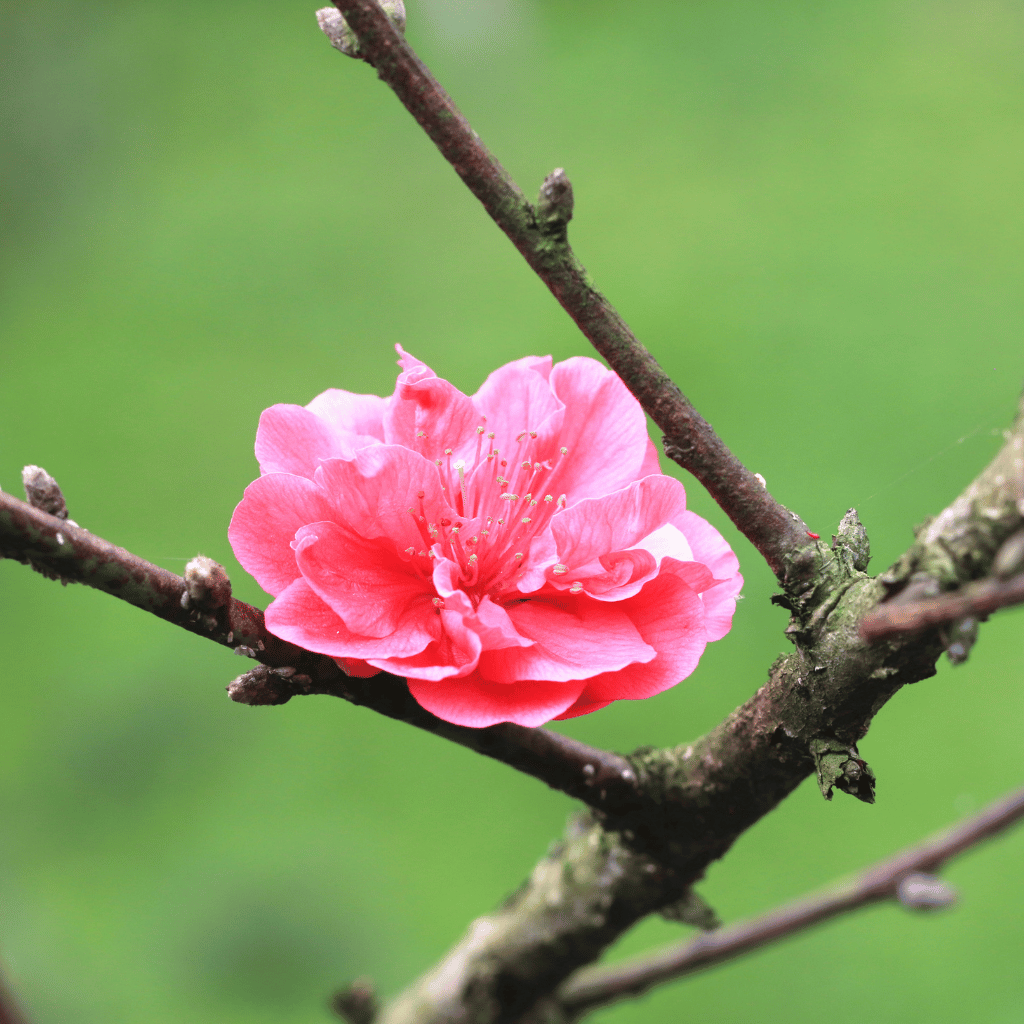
[{"x": 518, "y": 556}]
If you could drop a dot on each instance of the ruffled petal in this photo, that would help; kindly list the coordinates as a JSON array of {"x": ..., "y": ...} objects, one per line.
[
  {"x": 299, "y": 616},
  {"x": 574, "y": 638},
  {"x": 711, "y": 548},
  {"x": 670, "y": 617},
  {"x": 291, "y": 439},
  {"x": 517, "y": 397},
  {"x": 616, "y": 522},
  {"x": 265, "y": 522},
  {"x": 358, "y": 420},
  {"x": 477, "y": 703},
  {"x": 454, "y": 650},
  {"x": 375, "y": 489},
  {"x": 427, "y": 414},
  {"x": 365, "y": 582},
  {"x": 604, "y": 429}
]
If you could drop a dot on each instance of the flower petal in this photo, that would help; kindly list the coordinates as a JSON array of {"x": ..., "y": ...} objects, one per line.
[
  {"x": 291, "y": 439},
  {"x": 454, "y": 650},
  {"x": 427, "y": 414},
  {"x": 711, "y": 548},
  {"x": 604, "y": 429},
  {"x": 265, "y": 521},
  {"x": 375, "y": 489},
  {"x": 299, "y": 616},
  {"x": 615, "y": 522},
  {"x": 516, "y": 397},
  {"x": 670, "y": 617},
  {"x": 357, "y": 420},
  {"x": 574, "y": 638},
  {"x": 365, "y": 582},
  {"x": 477, "y": 703}
]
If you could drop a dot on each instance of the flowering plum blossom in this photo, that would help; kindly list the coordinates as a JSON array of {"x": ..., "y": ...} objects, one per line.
[{"x": 517, "y": 555}]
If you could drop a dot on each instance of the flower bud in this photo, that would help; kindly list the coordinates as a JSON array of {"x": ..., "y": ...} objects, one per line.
[
  {"x": 206, "y": 584},
  {"x": 42, "y": 492}
]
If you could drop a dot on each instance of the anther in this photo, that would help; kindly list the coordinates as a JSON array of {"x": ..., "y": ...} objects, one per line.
[
  {"x": 548, "y": 498},
  {"x": 420, "y": 433},
  {"x": 561, "y": 501},
  {"x": 564, "y": 451},
  {"x": 508, "y": 496},
  {"x": 437, "y": 603},
  {"x": 526, "y": 520},
  {"x": 447, "y": 451},
  {"x": 490, "y": 435},
  {"x": 437, "y": 462},
  {"x": 527, "y": 464},
  {"x": 480, "y": 430},
  {"x": 522, "y": 435},
  {"x": 410, "y": 551},
  {"x": 533, "y": 433},
  {"x": 576, "y": 587},
  {"x": 518, "y": 556},
  {"x": 560, "y": 570}
]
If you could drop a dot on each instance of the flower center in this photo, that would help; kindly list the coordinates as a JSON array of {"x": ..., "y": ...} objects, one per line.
[{"x": 504, "y": 498}]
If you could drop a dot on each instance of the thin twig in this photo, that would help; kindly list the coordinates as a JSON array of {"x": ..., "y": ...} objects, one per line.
[
  {"x": 780, "y": 535},
  {"x": 597, "y": 986},
  {"x": 599, "y": 778},
  {"x": 893, "y": 619},
  {"x": 10, "y": 1013}
]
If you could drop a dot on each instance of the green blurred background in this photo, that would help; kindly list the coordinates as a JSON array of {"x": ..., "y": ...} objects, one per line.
[{"x": 813, "y": 215}]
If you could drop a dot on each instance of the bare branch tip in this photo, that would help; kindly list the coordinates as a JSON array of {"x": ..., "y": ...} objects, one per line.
[
  {"x": 342, "y": 38},
  {"x": 920, "y": 891},
  {"x": 207, "y": 586},
  {"x": 43, "y": 492},
  {"x": 356, "y": 1004},
  {"x": 555, "y": 202}
]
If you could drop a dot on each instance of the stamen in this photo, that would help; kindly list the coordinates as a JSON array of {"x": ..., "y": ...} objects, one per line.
[
  {"x": 526, "y": 520},
  {"x": 420, "y": 433},
  {"x": 437, "y": 603},
  {"x": 576, "y": 587},
  {"x": 533, "y": 433},
  {"x": 564, "y": 451},
  {"x": 548, "y": 499},
  {"x": 507, "y": 496},
  {"x": 522, "y": 435}
]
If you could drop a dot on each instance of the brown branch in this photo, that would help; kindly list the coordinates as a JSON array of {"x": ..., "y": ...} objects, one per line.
[
  {"x": 10, "y": 1013},
  {"x": 64, "y": 551},
  {"x": 976, "y": 599},
  {"x": 540, "y": 236},
  {"x": 891, "y": 879}
]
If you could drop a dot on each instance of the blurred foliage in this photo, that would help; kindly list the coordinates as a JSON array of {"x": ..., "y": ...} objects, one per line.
[{"x": 811, "y": 212}]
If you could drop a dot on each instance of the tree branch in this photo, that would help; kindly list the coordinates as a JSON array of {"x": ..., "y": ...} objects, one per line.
[
  {"x": 893, "y": 619},
  {"x": 540, "y": 236},
  {"x": 10, "y": 1013},
  {"x": 903, "y": 878},
  {"x": 808, "y": 718},
  {"x": 61, "y": 550}
]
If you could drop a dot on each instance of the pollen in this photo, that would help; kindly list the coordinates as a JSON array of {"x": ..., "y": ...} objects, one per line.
[
  {"x": 560, "y": 570},
  {"x": 526, "y": 520},
  {"x": 576, "y": 587}
]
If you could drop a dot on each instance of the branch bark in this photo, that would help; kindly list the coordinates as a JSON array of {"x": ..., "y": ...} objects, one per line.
[
  {"x": 540, "y": 235},
  {"x": 61, "y": 550},
  {"x": 891, "y": 879},
  {"x": 978, "y": 599},
  {"x": 9, "y": 1011},
  {"x": 612, "y": 870}
]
